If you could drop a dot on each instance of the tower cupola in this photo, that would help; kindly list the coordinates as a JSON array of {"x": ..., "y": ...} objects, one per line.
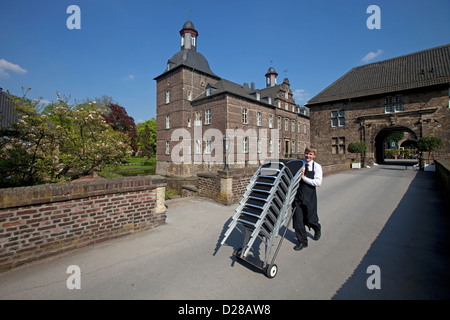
[
  {"x": 189, "y": 36},
  {"x": 271, "y": 77}
]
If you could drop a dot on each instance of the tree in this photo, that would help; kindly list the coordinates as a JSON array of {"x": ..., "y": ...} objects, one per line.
[
  {"x": 429, "y": 144},
  {"x": 357, "y": 147},
  {"x": 119, "y": 120},
  {"x": 147, "y": 134},
  {"x": 64, "y": 139}
]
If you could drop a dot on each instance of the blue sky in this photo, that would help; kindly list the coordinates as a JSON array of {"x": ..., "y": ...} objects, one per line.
[{"x": 124, "y": 44}]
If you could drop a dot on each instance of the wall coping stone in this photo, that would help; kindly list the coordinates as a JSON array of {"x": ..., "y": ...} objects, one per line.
[{"x": 24, "y": 196}]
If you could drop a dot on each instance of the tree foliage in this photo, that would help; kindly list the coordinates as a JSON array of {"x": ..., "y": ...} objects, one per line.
[
  {"x": 357, "y": 147},
  {"x": 61, "y": 143},
  {"x": 118, "y": 118},
  {"x": 147, "y": 134},
  {"x": 429, "y": 144}
]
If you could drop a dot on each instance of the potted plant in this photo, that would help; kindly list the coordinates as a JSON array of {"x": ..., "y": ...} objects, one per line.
[
  {"x": 357, "y": 147},
  {"x": 429, "y": 144}
]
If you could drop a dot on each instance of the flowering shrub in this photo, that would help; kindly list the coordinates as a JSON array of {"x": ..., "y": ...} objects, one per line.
[{"x": 61, "y": 143}]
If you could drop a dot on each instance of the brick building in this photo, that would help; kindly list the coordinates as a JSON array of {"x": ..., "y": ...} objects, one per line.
[
  {"x": 409, "y": 93},
  {"x": 196, "y": 109}
]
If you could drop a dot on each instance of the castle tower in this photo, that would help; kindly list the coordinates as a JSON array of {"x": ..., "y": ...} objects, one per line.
[
  {"x": 188, "y": 36},
  {"x": 271, "y": 77}
]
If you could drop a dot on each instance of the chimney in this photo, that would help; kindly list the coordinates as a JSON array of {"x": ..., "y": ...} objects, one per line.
[{"x": 252, "y": 86}]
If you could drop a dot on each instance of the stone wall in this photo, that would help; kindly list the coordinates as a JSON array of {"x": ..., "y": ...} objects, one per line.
[
  {"x": 41, "y": 221},
  {"x": 426, "y": 113}
]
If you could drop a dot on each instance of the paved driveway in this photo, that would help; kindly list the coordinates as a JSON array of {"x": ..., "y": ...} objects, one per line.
[{"x": 390, "y": 217}]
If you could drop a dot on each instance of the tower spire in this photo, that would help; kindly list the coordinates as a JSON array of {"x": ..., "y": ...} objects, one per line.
[{"x": 189, "y": 36}]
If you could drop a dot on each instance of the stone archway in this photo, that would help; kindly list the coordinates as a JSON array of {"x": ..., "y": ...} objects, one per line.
[{"x": 381, "y": 136}]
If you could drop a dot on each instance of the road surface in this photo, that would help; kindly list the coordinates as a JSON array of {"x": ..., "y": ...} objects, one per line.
[{"x": 385, "y": 227}]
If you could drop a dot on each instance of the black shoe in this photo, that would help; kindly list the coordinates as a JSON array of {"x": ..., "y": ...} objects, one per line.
[
  {"x": 317, "y": 234},
  {"x": 300, "y": 246}
]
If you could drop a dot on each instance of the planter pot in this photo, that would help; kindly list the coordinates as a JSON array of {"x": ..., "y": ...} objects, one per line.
[{"x": 356, "y": 165}]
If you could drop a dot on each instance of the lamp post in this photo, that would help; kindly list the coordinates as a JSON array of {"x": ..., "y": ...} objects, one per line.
[{"x": 226, "y": 146}]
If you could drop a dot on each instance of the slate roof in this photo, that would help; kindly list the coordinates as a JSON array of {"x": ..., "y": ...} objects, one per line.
[
  {"x": 415, "y": 70},
  {"x": 192, "y": 59},
  {"x": 242, "y": 91}
]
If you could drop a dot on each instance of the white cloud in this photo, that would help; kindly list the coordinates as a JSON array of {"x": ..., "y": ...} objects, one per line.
[
  {"x": 301, "y": 95},
  {"x": 6, "y": 66},
  {"x": 372, "y": 55},
  {"x": 129, "y": 77}
]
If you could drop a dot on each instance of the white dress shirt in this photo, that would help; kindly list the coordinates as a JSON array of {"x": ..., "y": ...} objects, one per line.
[{"x": 317, "y": 180}]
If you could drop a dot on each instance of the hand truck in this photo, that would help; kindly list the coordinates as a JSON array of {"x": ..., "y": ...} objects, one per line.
[{"x": 265, "y": 207}]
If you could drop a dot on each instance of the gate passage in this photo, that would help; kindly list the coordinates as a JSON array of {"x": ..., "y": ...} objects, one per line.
[{"x": 265, "y": 206}]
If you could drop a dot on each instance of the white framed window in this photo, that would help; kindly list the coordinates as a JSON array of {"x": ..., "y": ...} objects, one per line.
[
  {"x": 286, "y": 95},
  {"x": 338, "y": 118},
  {"x": 208, "y": 116},
  {"x": 270, "y": 146},
  {"x": 398, "y": 107},
  {"x": 304, "y": 128},
  {"x": 279, "y": 145},
  {"x": 398, "y": 98},
  {"x": 258, "y": 96},
  {"x": 286, "y": 106},
  {"x": 293, "y": 125},
  {"x": 279, "y": 104},
  {"x": 258, "y": 119},
  {"x": 168, "y": 96},
  {"x": 167, "y": 147},
  {"x": 189, "y": 122},
  {"x": 258, "y": 145},
  {"x": 193, "y": 40},
  {"x": 389, "y": 108},
  {"x": 167, "y": 122},
  {"x": 189, "y": 95},
  {"x": 208, "y": 91},
  {"x": 245, "y": 145},
  {"x": 269, "y": 100},
  {"x": 198, "y": 119},
  {"x": 393, "y": 104},
  {"x": 208, "y": 146},
  {"x": 198, "y": 146},
  {"x": 299, "y": 146},
  {"x": 279, "y": 123},
  {"x": 286, "y": 125},
  {"x": 270, "y": 121},
  {"x": 293, "y": 147},
  {"x": 244, "y": 116},
  {"x": 299, "y": 127}
]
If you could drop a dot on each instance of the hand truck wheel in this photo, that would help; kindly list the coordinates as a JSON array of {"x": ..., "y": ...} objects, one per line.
[
  {"x": 237, "y": 253},
  {"x": 271, "y": 271}
]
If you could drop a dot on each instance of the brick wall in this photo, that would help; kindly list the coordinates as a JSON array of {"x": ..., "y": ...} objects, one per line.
[{"x": 41, "y": 221}]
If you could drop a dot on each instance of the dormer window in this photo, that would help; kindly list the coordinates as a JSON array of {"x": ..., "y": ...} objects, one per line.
[
  {"x": 193, "y": 40},
  {"x": 258, "y": 96},
  {"x": 208, "y": 91},
  {"x": 269, "y": 100}
]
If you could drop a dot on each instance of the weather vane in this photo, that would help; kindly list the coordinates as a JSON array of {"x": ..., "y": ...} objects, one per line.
[{"x": 189, "y": 15}]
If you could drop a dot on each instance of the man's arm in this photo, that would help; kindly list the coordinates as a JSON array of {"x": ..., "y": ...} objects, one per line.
[{"x": 317, "y": 181}]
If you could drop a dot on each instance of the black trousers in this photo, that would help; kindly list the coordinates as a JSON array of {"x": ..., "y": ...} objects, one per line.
[{"x": 305, "y": 215}]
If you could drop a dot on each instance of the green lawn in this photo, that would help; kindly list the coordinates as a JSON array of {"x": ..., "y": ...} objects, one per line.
[{"x": 132, "y": 167}]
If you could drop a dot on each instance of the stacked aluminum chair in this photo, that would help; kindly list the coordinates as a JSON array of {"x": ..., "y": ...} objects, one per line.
[{"x": 265, "y": 207}]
